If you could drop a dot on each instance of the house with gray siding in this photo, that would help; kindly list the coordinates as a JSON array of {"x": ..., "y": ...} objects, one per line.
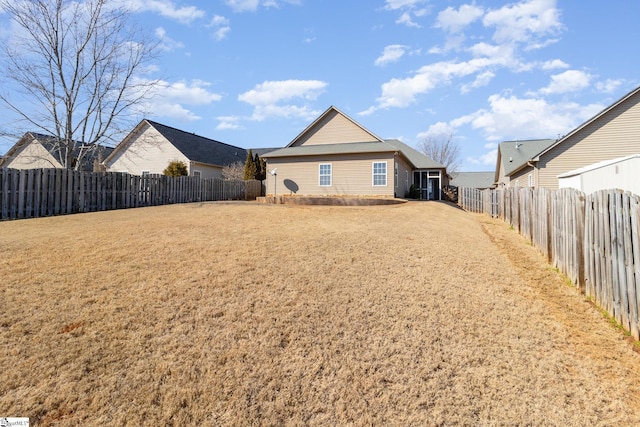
[
  {"x": 612, "y": 133},
  {"x": 151, "y": 146},
  {"x": 336, "y": 156},
  {"x": 515, "y": 165}
]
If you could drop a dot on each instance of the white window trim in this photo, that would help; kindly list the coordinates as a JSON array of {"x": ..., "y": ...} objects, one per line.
[
  {"x": 373, "y": 174},
  {"x": 196, "y": 173},
  {"x": 145, "y": 173},
  {"x": 330, "y": 175}
]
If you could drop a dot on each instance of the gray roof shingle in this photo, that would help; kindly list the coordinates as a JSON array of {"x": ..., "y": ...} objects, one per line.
[
  {"x": 200, "y": 149},
  {"x": 516, "y": 154}
]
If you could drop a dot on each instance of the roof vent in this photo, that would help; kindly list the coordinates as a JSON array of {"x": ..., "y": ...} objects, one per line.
[{"x": 511, "y": 159}]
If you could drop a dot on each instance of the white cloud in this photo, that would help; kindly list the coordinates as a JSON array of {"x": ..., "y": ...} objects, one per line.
[
  {"x": 391, "y": 53},
  {"x": 554, "y": 64},
  {"x": 228, "y": 123},
  {"x": 172, "y": 99},
  {"x": 167, "y": 43},
  {"x": 436, "y": 131},
  {"x": 525, "y": 22},
  {"x": 220, "y": 26},
  {"x": 253, "y": 5},
  {"x": 513, "y": 117},
  {"x": 402, "y": 92},
  {"x": 609, "y": 85},
  {"x": 569, "y": 81},
  {"x": 487, "y": 159},
  {"x": 482, "y": 79},
  {"x": 409, "y": 9},
  {"x": 168, "y": 9},
  {"x": 276, "y": 98},
  {"x": 453, "y": 21}
]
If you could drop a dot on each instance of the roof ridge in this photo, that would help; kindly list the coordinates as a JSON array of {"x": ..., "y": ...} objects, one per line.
[{"x": 155, "y": 124}]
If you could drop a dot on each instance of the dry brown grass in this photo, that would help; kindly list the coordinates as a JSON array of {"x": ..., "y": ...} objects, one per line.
[{"x": 246, "y": 314}]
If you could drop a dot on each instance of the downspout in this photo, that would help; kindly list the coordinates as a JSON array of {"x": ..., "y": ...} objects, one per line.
[{"x": 535, "y": 172}]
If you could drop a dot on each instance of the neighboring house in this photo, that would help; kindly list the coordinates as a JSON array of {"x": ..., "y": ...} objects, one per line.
[
  {"x": 479, "y": 180},
  {"x": 622, "y": 173},
  {"x": 151, "y": 146},
  {"x": 515, "y": 166},
  {"x": 612, "y": 133},
  {"x": 37, "y": 151},
  {"x": 335, "y": 156}
]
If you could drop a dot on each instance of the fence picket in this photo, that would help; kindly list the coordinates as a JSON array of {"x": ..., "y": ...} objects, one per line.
[
  {"x": 46, "y": 192},
  {"x": 592, "y": 239}
]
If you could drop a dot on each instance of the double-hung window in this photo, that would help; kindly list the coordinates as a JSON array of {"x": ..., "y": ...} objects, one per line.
[
  {"x": 379, "y": 173},
  {"x": 324, "y": 175}
]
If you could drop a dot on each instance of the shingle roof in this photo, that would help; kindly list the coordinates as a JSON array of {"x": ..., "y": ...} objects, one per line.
[
  {"x": 516, "y": 154},
  {"x": 419, "y": 160},
  {"x": 200, "y": 149},
  {"x": 473, "y": 179},
  {"x": 49, "y": 142},
  {"x": 262, "y": 151},
  {"x": 326, "y": 149}
]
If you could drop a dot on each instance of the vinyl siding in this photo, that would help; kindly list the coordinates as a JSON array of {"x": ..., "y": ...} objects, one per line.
[
  {"x": 206, "y": 171},
  {"x": 523, "y": 177},
  {"x": 146, "y": 151},
  {"x": 352, "y": 174},
  {"x": 333, "y": 129},
  {"x": 615, "y": 134},
  {"x": 33, "y": 156},
  {"x": 401, "y": 188}
]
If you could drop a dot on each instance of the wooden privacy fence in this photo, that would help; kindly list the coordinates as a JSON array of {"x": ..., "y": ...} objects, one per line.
[
  {"x": 593, "y": 239},
  {"x": 31, "y": 193}
]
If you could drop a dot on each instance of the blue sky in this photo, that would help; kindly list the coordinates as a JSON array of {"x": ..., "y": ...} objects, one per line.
[{"x": 255, "y": 73}]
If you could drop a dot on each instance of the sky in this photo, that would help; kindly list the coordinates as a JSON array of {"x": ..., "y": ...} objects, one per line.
[{"x": 256, "y": 73}]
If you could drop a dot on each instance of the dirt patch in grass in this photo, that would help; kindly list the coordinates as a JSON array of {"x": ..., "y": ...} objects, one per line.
[{"x": 245, "y": 314}]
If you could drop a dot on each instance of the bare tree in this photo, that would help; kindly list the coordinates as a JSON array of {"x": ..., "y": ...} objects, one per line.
[
  {"x": 234, "y": 171},
  {"x": 74, "y": 69},
  {"x": 443, "y": 149}
]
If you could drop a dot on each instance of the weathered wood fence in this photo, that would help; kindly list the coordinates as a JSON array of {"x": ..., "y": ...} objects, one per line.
[
  {"x": 594, "y": 239},
  {"x": 31, "y": 193}
]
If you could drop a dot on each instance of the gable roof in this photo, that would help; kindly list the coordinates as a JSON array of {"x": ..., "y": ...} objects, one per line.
[
  {"x": 50, "y": 144},
  {"x": 324, "y": 149},
  {"x": 199, "y": 148},
  {"x": 473, "y": 179},
  {"x": 377, "y": 145},
  {"x": 515, "y": 155},
  {"x": 591, "y": 120},
  {"x": 331, "y": 110},
  {"x": 419, "y": 160}
]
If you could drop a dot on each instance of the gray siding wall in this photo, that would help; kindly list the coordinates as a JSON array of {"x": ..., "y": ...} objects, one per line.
[
  {"x": 615, "y": 134},
  {"x": 352, "y": 174}
]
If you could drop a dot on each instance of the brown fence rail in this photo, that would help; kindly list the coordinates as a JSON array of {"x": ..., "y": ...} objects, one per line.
[
  {"x": 593, "y": 239},
  {"x": 32, "y": 193}
]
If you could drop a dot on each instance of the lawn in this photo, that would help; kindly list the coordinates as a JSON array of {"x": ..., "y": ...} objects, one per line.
[{"x": 239, "y": 313}]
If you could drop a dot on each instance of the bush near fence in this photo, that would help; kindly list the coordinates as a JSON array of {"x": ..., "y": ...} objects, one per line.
[
  {"x": 594, "y": 239},
  {"x": 32, "y": 193}
]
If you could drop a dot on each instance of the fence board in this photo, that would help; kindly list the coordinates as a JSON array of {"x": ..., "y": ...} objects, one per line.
[
  {"x": 47, "y": 192},
  {"x": 594, "y": 239}
]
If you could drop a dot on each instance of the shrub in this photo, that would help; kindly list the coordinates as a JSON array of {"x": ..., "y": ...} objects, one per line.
[{"x": 176, "y": 168}]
